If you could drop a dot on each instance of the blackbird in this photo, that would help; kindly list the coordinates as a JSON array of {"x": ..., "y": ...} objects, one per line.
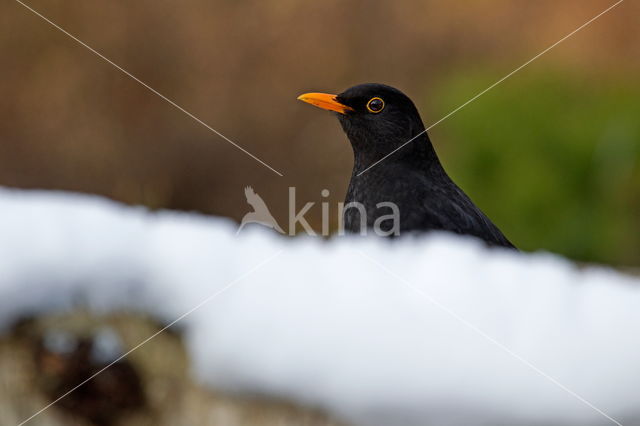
[{"x": 379, "y": 119}]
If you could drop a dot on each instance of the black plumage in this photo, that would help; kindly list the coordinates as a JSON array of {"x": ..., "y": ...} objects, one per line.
[{"x": 378, "y": 119}]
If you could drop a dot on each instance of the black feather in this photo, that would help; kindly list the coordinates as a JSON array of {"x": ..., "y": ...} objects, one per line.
[{"x": 412, "y": 178}]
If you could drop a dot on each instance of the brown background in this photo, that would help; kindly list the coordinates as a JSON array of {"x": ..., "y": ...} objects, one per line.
[{"x": 71, "y": 121}]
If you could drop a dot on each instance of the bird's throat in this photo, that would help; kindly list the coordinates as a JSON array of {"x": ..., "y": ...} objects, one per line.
[{"x": 418, "y": 154}]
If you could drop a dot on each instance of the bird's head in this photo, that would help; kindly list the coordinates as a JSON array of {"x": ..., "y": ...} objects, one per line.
[{"x": 376, "y": 118}]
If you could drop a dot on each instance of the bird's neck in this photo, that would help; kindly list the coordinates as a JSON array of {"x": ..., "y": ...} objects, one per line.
[{"x": 417, "y": 155}]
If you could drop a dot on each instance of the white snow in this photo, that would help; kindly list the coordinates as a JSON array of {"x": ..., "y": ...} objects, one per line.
[{"x": 431, "y": 330}]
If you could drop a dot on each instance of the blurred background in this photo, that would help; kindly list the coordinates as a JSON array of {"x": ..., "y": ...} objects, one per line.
[{"x": 551, "y": 155}]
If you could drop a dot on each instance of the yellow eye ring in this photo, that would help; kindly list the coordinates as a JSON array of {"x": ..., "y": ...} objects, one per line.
[{"x": 375, "y": 105}]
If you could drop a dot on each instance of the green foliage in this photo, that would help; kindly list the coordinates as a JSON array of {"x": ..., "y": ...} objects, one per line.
[{"x": 553, "y": 159}]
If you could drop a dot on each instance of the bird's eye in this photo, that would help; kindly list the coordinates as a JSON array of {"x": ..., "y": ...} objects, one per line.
[{"x": 375, "y": 105}]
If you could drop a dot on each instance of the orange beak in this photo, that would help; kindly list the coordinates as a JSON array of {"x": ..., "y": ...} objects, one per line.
[{"x": 324, "y": 101}]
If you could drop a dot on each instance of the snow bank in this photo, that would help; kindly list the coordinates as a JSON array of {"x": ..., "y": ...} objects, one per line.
[{"x": 432, "y": 330}]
